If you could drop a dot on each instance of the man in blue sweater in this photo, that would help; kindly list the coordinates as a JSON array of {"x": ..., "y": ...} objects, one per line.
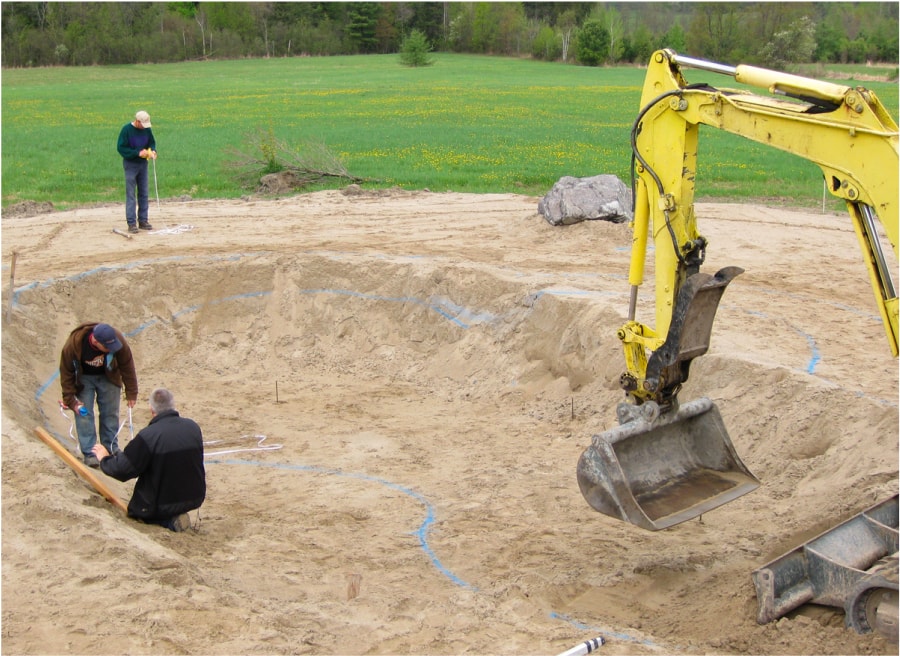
[
  {"x": 166, "y": 457},
  {"x": 136, "y": 145}
]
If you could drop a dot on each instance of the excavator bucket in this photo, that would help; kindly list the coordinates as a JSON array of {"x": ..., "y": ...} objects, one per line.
[{"x": 657, "y": 471}]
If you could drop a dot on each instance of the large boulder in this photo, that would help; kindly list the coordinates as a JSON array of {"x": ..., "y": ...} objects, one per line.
[{"x": 572, "y": 200}]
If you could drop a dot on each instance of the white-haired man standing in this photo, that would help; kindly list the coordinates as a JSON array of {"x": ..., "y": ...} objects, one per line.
[{"x": 136, "y": 145}]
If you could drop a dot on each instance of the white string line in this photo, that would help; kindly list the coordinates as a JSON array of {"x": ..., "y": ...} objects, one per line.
[
  {"x": 121, "y": 426},
  {"x": 62, "y": 410},
  {"x": 183, "y": 227},
  {"x": 259, "y": 438},
  {"x": 259, "y": 445}
]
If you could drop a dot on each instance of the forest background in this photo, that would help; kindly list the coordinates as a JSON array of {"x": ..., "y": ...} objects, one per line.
[{"x": 775, "y": 34}]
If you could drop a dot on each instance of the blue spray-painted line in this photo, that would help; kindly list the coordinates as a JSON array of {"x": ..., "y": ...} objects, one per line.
[
  {"x": 456, "y": 314},
  {"x": 814, "y": 355},
  {"x": 43, "y": 284},
  {"x": 803, "y": 299},
  {"x": 814, "y": 350},
  {"x": 437, "y": 305},
  {"x": 219, "y": 301},
  {"x": 577, "y": 292},
  {"x": 617, "y": 635},
  {"x": 422, "y": 532},
  {"x": 43, "y": 388},
  {"x": 141, "y": 328}
]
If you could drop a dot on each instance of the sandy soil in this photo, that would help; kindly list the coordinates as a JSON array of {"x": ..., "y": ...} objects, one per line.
[{"x": 428, "y": 368}]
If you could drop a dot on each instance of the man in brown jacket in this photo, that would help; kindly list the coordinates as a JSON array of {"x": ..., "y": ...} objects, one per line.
[{"x": 95, "y": 363}]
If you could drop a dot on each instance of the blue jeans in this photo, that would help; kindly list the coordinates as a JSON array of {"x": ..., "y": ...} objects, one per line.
[
  {"x": 136, "y": 181},
  {"x": 108, "y": 396}
]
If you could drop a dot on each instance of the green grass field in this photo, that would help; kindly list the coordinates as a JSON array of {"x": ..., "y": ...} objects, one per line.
[{"x": 467, "y": 123}]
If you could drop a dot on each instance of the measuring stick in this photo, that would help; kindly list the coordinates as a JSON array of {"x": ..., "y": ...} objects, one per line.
[{"x": 155, "y": 184}]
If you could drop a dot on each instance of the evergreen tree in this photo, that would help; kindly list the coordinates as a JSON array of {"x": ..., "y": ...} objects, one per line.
[
  {"x": 363, "y": 20},
  {"x": 415, "y": 49},
  {"x": 593, "y": 43},
  {"x": 432, "y": 19}
]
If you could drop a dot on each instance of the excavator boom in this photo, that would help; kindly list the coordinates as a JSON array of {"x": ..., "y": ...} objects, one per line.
[{"x": 666, "y": 463}]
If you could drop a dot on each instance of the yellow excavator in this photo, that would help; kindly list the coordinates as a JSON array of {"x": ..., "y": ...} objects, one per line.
[{"x": 666, "y": 461}]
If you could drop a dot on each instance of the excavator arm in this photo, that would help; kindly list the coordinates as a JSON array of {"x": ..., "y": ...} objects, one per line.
[
  {"x": 844, "y": 130},
  {"x": 666, "y": 463}
]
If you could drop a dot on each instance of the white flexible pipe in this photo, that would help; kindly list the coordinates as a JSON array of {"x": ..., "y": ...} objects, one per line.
[{"x": 585, "y": 647}]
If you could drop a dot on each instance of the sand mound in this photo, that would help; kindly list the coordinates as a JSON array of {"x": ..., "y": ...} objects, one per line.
[{"x": 395, "y": 389}]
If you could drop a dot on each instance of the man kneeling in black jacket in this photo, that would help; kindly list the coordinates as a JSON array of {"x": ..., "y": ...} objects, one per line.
[{"x": 167, "y": 459}]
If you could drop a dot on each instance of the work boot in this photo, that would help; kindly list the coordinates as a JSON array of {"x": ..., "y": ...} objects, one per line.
[
  {"x": 133, "y": 229},
  {"x": 181, "y": 523},
  {"x": 143, "y": 225}
]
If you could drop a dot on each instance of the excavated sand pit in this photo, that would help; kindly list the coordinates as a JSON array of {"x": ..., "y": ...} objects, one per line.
[{"x": 425, "y": 370}]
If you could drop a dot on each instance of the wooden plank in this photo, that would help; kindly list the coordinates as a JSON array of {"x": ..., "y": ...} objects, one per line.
[{"x": 80, "y": 468}]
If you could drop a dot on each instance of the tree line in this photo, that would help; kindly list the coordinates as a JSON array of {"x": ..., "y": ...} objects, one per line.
[{"x": 774, "y": 34}]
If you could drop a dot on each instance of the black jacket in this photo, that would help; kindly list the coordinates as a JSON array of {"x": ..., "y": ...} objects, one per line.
[{"x": 167, "y": 459}]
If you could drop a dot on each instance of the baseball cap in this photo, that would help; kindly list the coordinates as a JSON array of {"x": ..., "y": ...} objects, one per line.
[
  {"x": 106, "y": 335},
  {"x": 143, "y": 118}
]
